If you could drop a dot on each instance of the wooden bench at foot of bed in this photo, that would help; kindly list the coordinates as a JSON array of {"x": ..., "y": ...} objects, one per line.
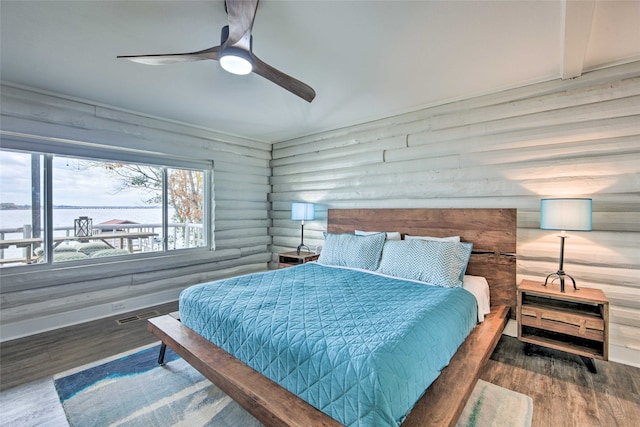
[{"x": 271, "y": 404}]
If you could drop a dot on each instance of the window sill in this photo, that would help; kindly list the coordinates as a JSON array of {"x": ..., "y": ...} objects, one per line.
[{"x": 39, "y": 276}]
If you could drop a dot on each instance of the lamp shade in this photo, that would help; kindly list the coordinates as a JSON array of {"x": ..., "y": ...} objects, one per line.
[
  {"x": 565, "y": 214},
  {"x": 302, "y": 211}
]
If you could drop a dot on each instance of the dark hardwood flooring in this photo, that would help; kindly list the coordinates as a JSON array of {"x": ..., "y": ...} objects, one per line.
[
  {"x": 46, "y": 354},
  {"x": 564, "y": 392}
]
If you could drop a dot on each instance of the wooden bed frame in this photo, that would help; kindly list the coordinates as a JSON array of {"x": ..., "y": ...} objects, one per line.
[{"x": 493, "y": 233}]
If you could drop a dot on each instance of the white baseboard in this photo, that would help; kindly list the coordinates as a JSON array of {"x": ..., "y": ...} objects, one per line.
[
  {"x": 624, "y": 355},
  {"x": 511, "y": 329},
  {"x": 20, "y": 329}
]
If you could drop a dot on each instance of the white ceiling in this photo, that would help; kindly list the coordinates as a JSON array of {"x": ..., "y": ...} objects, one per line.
[{"x": 365, "y": 59}]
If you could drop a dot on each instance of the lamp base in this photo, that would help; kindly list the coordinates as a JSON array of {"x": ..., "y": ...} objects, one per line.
[
  {"x": 560, "y": 275},
  {"x": 300, "y": 246}
]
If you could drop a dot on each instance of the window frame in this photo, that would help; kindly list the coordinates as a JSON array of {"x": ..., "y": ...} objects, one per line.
[{"x": 23, "y": 276}]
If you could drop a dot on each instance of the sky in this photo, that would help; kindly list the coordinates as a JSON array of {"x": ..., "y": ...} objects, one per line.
[{"x": 74, "y": 183}]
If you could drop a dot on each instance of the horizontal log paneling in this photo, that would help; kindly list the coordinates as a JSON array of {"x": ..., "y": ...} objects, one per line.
[
  {"x": 242, "y": 241},
  {"x": 578, "y": 137},
  {"x": 236, "y": 144},
  {"x": 52, "y": 300},
  {"x": 237, "y": 224},
  {"x": 625, "y": 316},
  {"x": 393, "y": 129},
  {"x": 588, "y": 148},
  {"x": 258, "y": 249},
  {"x": 242, "y": 169},
  {"x": 558, "y": 134},
  {"x": 621, "y": 221},
  {"x": 622, "y": 184},
  {"x": 534, "y": 169},
  {"x": 556, "y": 87},
  {"x": 611, "y": 201},
  {"x": 153, "y": 130},
  {"x": 222, "y": 176},
  {"x": 335, "y": 153},
  {"x": 577, "y": 114},
  {"x": 364, "y": 172},
  {"x": 242, "y": 193},
  {"x": 570, "y": 98},
  {"x": 347, "y": 161},
  {"x": 241, "y": 210}
]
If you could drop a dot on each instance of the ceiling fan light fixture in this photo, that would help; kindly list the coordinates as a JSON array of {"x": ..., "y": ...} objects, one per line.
[{"x": 236, "y": 61}]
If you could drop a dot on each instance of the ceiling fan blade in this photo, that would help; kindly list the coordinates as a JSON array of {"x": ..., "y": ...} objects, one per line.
[
  {"x": 174, "y": 58},
  {"x": 241, "y": 15},
  {"x": 283, "y": 80}
]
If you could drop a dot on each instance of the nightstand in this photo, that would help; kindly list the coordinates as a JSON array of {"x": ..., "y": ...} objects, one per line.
[
  {"x": 289, "y": 259},
  {"x": 575, "y": 321}
]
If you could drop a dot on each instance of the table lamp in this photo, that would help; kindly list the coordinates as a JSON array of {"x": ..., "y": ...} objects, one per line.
[
  {"x": 302, "y": 212},
  {"x": 564, "y": 214}
]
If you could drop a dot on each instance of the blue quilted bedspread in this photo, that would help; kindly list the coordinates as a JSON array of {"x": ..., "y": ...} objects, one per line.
[{"x": 360, "y": 347}]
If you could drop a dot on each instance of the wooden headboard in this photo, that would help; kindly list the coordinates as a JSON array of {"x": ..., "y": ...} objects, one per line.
[{"x": 492, "y": 232}]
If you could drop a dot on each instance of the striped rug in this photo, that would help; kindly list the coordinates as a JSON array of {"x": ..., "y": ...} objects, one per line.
[{"x": 132, "y": 390}]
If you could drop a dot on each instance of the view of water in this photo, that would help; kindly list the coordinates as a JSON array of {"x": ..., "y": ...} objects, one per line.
[
  {"x": 65, "y": 217},
  {"x": 11, "y": 218}
]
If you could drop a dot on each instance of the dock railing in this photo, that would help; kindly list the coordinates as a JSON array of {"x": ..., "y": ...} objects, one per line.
[{"x": 180, "y": 236}]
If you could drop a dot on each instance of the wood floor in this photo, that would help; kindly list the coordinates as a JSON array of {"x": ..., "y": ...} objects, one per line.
[
  {"x": 563, "y": 390},
  {"x": 43, "y": 355}
]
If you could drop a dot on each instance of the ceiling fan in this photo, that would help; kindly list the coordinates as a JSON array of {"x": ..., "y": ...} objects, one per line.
[{"x": 235, "y": 52}]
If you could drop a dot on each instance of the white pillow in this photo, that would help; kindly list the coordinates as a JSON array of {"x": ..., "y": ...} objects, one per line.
[
  {"x": 391, "y": 235},
  {"x": 433, "y": 239}
]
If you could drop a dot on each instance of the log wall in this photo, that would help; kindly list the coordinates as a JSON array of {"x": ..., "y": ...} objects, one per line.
[
  {"x": 578, "y": 137},
  {"x": 240, "y": 201}
]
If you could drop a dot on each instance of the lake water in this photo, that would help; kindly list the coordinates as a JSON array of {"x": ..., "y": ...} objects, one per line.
[{"x": 65, "y": 218}]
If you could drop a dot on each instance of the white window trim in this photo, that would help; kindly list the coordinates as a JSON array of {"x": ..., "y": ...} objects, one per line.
[{"x": 36, "y": 276}]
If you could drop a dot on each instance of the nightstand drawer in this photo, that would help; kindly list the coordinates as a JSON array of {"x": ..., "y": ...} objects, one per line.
[
  {"x": 540, "y": 314},
  {"x": 557, "y": 321}
]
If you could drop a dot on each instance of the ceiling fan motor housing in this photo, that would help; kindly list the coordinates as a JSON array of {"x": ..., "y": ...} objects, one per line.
[{"x": 232, "y": 58}]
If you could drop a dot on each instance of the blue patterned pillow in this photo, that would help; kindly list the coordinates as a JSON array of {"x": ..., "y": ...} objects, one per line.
[
  {"x": 348, "y": 250},
  {"x": 438, "y": 263}
]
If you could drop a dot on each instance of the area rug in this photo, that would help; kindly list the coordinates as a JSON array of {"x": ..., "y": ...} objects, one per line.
[
  {"x": 133, "y": 390},
  {"x": 491, "y": 405}
]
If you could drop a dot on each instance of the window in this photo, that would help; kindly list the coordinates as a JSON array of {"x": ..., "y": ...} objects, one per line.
[
  {"x": 21, "y": 209},
  {"x": 96, "y": 204}
]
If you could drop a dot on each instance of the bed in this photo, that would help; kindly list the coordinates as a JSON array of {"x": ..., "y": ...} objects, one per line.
[{"x": 302, "y": 367}]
